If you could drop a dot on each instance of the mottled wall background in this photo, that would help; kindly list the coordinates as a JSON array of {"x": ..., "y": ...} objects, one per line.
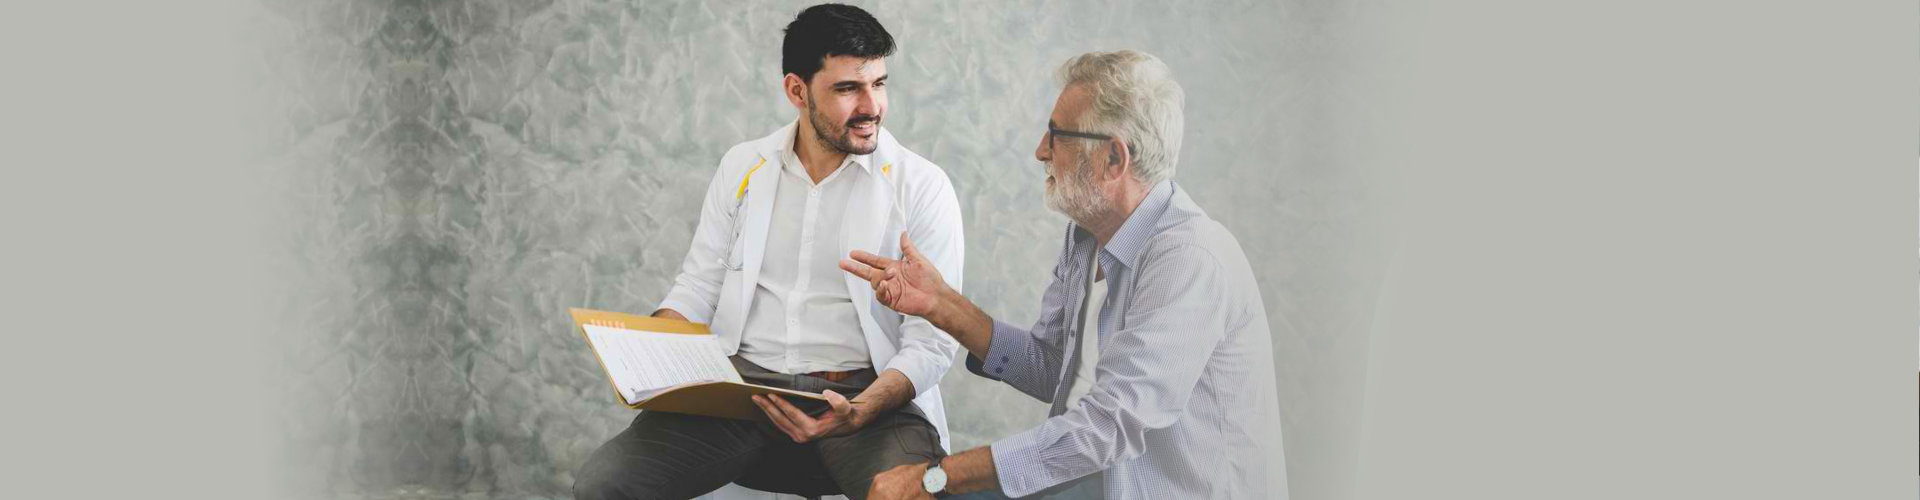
[{"x": 454, "y": 175}]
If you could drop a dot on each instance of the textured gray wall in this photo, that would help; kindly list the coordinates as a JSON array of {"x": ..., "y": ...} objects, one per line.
[{"x": 456, "y": 174}]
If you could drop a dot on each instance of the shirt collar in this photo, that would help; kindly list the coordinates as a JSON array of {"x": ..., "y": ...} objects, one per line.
[
  {"x": 791, "y": 156},
  {"x": 1132, "y": 236}
]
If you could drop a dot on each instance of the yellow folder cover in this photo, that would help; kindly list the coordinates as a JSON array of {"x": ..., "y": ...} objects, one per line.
[{"x": 718, "y": 399}]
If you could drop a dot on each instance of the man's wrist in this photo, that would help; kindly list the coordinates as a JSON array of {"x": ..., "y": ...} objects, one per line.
[
  {"x": 861, "y": 413},
  {"x": 962, "y": 320},
  {"x": 890, "y": 391},
  {"x": 969, "y": 471},
  {"x": 946, "y": 465},
  {"x": 947, "y": 305}
]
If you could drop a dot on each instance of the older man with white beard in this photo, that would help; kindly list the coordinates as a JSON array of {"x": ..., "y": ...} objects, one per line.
[{"x": 1152, "y": 343}]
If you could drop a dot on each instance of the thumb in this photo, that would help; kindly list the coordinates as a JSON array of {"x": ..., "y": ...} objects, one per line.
[
  {"x": 907, "y": 250},
  {"x": 837, "y": 402}
]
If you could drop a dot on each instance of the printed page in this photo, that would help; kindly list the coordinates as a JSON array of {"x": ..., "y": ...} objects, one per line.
[{"x": 643, "y": 363}]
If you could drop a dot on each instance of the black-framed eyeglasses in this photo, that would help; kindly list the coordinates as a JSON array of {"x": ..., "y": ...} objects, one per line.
[{"x": 1057, "y": 131}]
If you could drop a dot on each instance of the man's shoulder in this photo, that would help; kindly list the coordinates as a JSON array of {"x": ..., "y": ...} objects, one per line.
[
  {"x": 742, "y": 158},
  {"x": 745, "y": 154},
  {"x": 1198, "y": 233},
  {"x": 1185, "y": 228},
  {"x": 739, "y": 158}
]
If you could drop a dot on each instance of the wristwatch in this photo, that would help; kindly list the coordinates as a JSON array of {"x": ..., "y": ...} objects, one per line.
[{"x": 936, "y": 479}]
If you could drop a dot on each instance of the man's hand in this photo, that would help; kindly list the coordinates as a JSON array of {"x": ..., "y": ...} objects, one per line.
[
  {"x": 901, "y": 482},
  {"x": 911, "y": 285},
  {"x": 669, "y": 314},
  {"x": 842, "y": 417}
]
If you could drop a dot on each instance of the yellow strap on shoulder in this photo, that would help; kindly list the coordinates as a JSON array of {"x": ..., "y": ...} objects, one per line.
[{"x": 748, "y": 177}]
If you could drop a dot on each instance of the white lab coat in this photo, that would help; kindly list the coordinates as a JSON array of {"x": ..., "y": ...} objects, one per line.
[{"x": 897, "y": 191}]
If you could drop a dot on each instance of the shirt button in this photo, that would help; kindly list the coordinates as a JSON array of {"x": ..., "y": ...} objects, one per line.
[
  {"x": 999, "y": 369},
  {"x": 1004, "y": 359}
]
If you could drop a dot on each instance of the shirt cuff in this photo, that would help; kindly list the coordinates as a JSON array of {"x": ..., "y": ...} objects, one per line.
[
  {"x": 693, "y": 313},
  {"x": 1008, "y": 341},
  {"x": 1019, "y": 469}
]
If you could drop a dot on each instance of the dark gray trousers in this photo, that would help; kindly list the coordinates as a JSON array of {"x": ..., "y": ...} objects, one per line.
[{"x": 675, "y": 456}]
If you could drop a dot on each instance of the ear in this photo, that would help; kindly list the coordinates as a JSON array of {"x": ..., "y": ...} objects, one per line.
[
  {"x": 796, "y": 91},
  {"x": 1120, "y": 155}
]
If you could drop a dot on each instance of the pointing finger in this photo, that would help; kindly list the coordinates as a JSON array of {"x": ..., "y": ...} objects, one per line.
[
  {"x": 858, "y": 269},
  {"x": 876, "y": 261}
]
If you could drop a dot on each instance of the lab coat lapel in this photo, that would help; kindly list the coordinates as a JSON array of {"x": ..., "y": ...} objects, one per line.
[{"x": 762, "y": 187}]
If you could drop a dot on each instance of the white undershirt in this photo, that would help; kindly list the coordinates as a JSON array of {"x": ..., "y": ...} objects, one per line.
[
  {"x": 802, "y": 319},
  {"x": 1090, "y": 336}
]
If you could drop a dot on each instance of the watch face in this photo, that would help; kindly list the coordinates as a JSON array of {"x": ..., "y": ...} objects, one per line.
[{"x": 935, "y": 480}]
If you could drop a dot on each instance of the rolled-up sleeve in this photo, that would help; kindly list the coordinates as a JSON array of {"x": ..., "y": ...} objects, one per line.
[{"x": 1145, "y": 376}]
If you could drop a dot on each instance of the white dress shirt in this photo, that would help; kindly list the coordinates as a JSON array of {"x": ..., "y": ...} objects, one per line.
[
  {"x": 894, "y": 191},
  {"x": 802, "y": 319}
]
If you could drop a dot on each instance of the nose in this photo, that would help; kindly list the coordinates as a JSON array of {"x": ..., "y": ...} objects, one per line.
[
  {"x": 868, "y": 104},
  {"x": 1041, "y": 151}
]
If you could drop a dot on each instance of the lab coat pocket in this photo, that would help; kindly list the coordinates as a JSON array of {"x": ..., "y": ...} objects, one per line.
[
  {"x": 735, "y": 257},
  {"x": 733, "y": 266},
  {"x": 735, "y": 261}
]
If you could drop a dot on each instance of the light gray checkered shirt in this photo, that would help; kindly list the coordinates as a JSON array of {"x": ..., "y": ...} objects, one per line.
[{"x": 1183, "y": 404}]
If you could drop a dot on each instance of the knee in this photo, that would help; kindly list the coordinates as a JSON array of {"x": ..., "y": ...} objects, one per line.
[{"x": 592, "y": 482}]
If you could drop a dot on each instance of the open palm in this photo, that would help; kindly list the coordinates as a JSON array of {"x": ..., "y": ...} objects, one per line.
[{"x": 910, "y": 285}]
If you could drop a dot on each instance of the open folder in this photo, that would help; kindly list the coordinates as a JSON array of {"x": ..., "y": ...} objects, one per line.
[{"x": 674, "y": 366}]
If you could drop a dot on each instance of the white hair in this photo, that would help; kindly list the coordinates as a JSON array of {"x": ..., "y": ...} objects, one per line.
[{"x": 1133, "y": 96}]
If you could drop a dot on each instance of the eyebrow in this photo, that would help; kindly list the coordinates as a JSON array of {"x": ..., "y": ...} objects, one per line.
[{"x": 846, "y": 84}]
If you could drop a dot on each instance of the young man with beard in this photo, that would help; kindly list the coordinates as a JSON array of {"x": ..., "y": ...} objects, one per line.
[
  {"x": 1152, "y": 343},
  {"x": 777, "y": 216}
]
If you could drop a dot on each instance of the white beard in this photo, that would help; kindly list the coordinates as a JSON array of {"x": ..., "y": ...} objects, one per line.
[{"x": 1076, "y": 197}]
